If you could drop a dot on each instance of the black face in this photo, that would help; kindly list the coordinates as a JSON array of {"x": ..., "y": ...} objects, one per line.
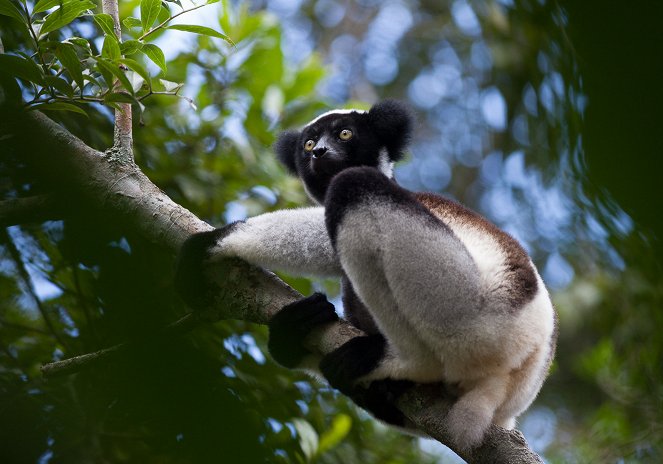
[{"x": 340, "y": 140}]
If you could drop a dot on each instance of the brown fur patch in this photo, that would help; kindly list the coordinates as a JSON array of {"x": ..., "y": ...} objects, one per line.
[{"x": 523, "y": 279}]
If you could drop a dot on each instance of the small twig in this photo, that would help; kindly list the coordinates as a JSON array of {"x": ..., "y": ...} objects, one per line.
[{"x": 77, "y": 363}]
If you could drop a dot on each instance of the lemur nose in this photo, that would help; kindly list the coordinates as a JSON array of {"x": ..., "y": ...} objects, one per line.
[{"x": 319, "y": 152}]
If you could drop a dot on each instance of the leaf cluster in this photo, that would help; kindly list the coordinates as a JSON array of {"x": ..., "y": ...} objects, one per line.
[{"x": 61, "y": 71}]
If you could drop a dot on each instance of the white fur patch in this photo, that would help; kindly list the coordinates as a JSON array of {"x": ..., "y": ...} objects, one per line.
[
  {"x": 348, "y": 111},
  {"x": 385, "y": 165}
]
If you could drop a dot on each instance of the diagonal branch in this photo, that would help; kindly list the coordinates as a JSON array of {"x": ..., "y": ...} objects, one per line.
[{"x": 245, "y": 292}]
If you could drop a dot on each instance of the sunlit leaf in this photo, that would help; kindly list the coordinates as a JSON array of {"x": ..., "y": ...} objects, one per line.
[
  {"x": 83, "y": 43},
  {"x": 111, "y": 48},
  {"x": 155, "y": 54},
  {"x": 136, "y": 80},
  {"x": 105, "y": 22},
  {"x": 170, "y": 86},
  {"x": 209, "y": 2},
  {"x": 138, "y": 68},
  {"x": 131, "y": 22},
  {"x": 65, "y": 14},
  {"x": 201, "y": 30},
  {"x": 107, "y": 69},
  {"x": 21, "y": 67},
  {"x": 130, "y": 47},
  {"x": 43, "y": 5},
  {"x": 338, "y": 430},
  {"x": 59, "y": 106},
  {"x": 308, "y": 437},
  {"x": 7, "y": 8},
  {"x": 149, "y": 10}
]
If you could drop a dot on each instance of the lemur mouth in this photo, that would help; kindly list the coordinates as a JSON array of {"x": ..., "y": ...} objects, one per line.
[{"x": 328, "y": 163}]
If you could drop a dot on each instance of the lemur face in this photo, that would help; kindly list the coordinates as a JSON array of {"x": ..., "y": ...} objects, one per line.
[{"x": 341, "y": 139}]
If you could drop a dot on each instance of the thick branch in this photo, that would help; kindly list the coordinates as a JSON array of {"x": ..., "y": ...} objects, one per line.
[{"x": 246, "y": 292}]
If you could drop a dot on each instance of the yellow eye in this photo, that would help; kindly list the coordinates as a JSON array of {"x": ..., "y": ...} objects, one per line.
[
  {"x": 345, "y": 134},
  {"x": 308, "y": 146}
]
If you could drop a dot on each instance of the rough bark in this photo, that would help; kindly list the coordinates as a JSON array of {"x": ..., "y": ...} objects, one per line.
[{"x": 252, "y": 294}]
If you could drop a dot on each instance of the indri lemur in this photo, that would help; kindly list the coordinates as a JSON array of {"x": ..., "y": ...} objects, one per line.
[{"x": 442, "y": 294}]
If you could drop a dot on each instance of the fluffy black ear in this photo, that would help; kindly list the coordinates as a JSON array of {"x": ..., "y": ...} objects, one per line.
[
  {"x": 286, "y": 148},
  {"x": 392, "y": 121}
]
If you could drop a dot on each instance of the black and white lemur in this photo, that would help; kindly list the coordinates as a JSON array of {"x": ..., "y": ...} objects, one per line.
[{"x": 442, "y": 294}]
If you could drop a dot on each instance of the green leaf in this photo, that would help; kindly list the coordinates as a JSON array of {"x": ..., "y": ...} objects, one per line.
[
  {"x": 130, "y": 47},
  {"x": 119, "y": 97},
  {"x": 201, "y": 30},
  {"x": 66, "y": 53},
  {"x": 109, "y": 69},
  {"x": 60, "y": 85},
  {"x": 65, "y": 14},
  {"x": 138, "y": 68},
  {"x": 105, "y": 22},
  {"x": 59, "y": 106},
  {"x": 170, "y": 86},
  {"x": 83, "y": 43},
  {"x": 338, "y": 430},
  {"x": 111, "y": 48},
  {"x": 43, "y": 5},
  {"x": 308, "y": 437},
  {"x": 131, "y": 22},
  {"x": 209, "y": 2},
  {"x": 8, "y": 8},
  {"x": 23, "y": 68},
  {"x": 155, "y": 54},
  {"x": 149, "y": 10}
]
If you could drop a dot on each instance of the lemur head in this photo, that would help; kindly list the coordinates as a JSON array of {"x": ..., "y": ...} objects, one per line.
[{"x": 341, "y": 139}]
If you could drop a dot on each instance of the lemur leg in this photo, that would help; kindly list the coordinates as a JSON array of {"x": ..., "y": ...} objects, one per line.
[{"x": 289, "y": 327}]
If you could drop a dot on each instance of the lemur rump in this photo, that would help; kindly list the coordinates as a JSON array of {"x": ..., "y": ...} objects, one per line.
[{"x": 442, "y": 294}]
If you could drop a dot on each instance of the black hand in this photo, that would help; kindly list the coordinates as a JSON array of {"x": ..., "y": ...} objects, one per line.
[
  {"x": 190, "y": 280},
  {"x": 289, "y": 327}
]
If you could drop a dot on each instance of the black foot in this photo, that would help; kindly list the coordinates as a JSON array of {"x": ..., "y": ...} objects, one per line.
[
  {"x": 190, "y": 280},
  {"x": 358, "y": 357},
  {"x": 289, "y": 327},
  {"x": 379, "y": 398}
]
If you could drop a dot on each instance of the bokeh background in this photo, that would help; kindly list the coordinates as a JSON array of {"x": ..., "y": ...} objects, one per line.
[{"x": 545, "y": 116}]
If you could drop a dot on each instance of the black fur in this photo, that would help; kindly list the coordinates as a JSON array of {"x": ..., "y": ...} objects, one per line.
[
  {"x": 359, "y": 185},
  {"x": 289, "y": 327},
  {"x": 190, "y": 279},
  {"x": 391, "y": 120},
  {"x": 387, "y": 125},
  {"x": 379, "y": 398},
  {"x": 285, "y": 148},
  {"x": 356, "y": 358}
]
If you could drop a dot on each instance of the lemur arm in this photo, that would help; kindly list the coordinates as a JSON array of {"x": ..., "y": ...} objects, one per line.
[{"x": 292, "y": 240}]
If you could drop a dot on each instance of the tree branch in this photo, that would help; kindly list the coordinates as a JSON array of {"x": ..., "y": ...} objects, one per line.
[
  {"x": 36, "y": 209},
  {"x": 123, "y": 135},
  {"x": 246, "y": 292}
]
